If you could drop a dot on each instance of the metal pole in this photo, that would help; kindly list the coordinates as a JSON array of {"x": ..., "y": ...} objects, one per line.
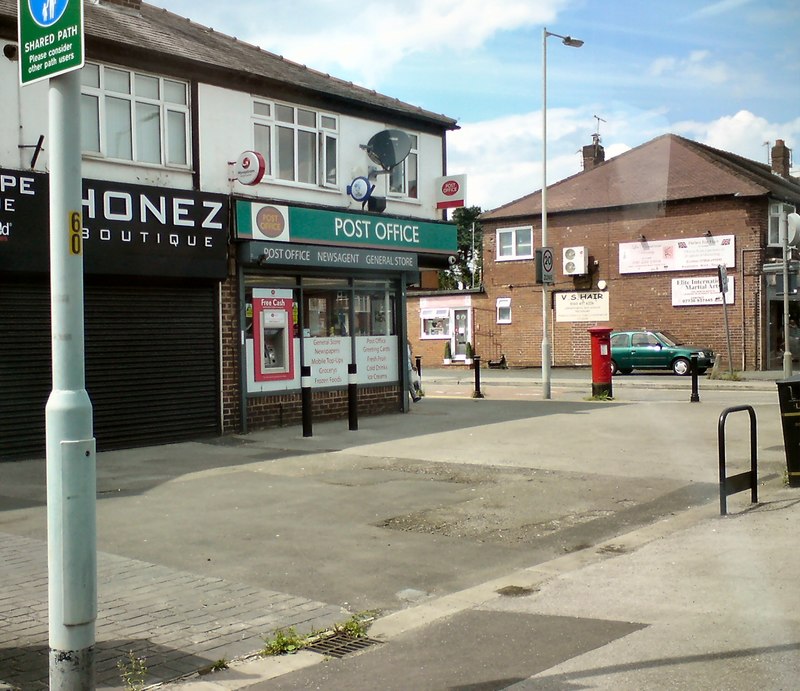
[
  {"x": 71, "y": 457},
  {"x": 473, "y": 263},
  {"x": 305, "y": 400},
  {"x": 787, "y": 350},
  {"x": 695, "y": 396},
  {"x": 476, "y": 361},
  {"x": 728, "y": 332},
  {"x": 352, "y": 396},
  {"x": 545, "y": 294}
]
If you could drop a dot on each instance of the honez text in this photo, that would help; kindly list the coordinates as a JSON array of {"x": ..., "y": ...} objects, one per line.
[
  {"x": 127, "y": 207},
  {"x": 150, "y": 218}
]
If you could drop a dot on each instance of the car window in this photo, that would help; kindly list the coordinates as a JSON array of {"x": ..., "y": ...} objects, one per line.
[
  {"x": 669, "y": 339},
  {"x": 620, "y": 340},
  {"x": 643, "y": 339}
]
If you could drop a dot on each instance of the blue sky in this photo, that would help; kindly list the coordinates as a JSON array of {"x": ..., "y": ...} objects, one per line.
[{"x": 722, "y": 72}]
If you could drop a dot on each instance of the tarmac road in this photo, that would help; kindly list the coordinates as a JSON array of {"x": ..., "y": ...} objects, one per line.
[{"x": 412, "y": 509}]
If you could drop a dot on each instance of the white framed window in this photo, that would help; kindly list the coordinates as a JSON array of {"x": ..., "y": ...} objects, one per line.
[
  {"x": 403, "y": 178},
  {"x": 514, "y": 243},
  {"x": 774, "y": 238},
  {"x": 503, "y": 306},
  {"x": 133, "y": 116},
  {"x": 299, "y": 145},
  {"x": 435, "y": 323}
]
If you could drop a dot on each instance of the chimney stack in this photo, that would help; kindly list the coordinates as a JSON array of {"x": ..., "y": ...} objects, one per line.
[
  {"x": 780, "y": 158},
  {"x": 593, "y": 154},
  {"x": 135, "y": 5}
]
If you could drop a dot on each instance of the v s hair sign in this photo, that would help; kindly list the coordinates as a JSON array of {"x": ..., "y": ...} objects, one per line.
[{"x": 127, "y": 229}]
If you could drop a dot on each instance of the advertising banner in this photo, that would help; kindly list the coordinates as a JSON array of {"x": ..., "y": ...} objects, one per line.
[{"x": 128, "y": 230}]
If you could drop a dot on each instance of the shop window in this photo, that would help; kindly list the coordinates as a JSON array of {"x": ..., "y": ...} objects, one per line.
[
  {"x": 514, "y": 243},
  {"x": 403, "y": 177},
  {"x": 299, "y": 145},
  {"x": 503, "y": 310},
  {"x": 436, "y": 323},
  {"x": 132, "y": 116}
]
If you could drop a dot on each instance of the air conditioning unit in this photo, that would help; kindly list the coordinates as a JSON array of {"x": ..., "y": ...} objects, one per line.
[{"x": 575, "y": 261}]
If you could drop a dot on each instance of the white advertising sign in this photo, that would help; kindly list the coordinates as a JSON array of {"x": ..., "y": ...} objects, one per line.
[
  {"x": 376, "y": 359},
  {"x": 585, "y": 306},
  {"x": 451, "y": 191},
  {"x": 699, "y": 290},
  {"x": 677, "y": 255},
  {"x": 328, "y": 358}
]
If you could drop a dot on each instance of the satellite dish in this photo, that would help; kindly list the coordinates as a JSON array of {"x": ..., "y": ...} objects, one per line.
[{"x": 388, "y": 148}]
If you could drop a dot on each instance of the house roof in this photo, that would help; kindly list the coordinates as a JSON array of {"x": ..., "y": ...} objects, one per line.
[
  {"x": 158, "y": 32},
  {"x": 668, "y": 168}
]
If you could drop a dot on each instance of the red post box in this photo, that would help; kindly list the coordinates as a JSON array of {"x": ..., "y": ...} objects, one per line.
[{"x": 601, "y": 361}]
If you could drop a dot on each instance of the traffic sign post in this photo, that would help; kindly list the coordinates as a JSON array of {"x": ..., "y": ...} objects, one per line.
[
  {"x": 50, "y": 38},
  {"x": 51, "y": 47},
  {"x": 544, "y": 265}
]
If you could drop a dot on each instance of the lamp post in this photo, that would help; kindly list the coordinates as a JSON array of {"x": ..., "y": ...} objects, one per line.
[{"x": 572, "y": 43}]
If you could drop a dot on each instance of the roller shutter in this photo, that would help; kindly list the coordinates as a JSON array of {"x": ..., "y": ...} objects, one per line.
[{"x": 151, "y": 364}]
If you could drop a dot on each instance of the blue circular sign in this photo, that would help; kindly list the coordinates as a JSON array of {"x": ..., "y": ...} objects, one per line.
[{"x": 47, "y": 12}]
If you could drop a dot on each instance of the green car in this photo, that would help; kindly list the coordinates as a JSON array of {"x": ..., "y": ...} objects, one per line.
[{"x": 632, "y": 350}]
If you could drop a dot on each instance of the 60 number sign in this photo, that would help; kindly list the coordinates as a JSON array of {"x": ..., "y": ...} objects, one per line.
[{"x": 75, "y": 233}]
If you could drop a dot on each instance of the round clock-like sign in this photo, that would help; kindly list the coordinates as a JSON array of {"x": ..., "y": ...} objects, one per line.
[
  {"x": 359, "y": 189},
  {"x": 250, "y": 168}
]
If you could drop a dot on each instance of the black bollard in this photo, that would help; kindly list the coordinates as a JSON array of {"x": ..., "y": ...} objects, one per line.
[
  {"x": 352, "y": 396},
  {"x": 305, "y": 392},
  {"x": 695, "y": 397},
  {"x": 476, "y": 360}
]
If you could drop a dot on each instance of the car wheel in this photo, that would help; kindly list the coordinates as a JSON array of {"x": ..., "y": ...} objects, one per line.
[
  {"x": 701, "y": 370},
  {"x": 681, "y": 367},
  {"x": 614, "y": 368}
]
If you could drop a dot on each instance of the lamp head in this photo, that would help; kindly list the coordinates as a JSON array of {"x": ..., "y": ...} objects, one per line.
[{"x": 572, "y": 42}]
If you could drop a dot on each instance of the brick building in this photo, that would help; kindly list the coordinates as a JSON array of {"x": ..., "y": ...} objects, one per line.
[{"x": 637, "y": 241}]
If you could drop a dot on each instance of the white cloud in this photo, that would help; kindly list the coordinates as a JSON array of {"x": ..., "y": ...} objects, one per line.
[
  {"x": 717, "y": 8},
  {"x": 368, "y": 42},
  {"x": 743, "y": 133},
  {"x": 502, "y": 157},
  {"x": 697, "y": 68}
]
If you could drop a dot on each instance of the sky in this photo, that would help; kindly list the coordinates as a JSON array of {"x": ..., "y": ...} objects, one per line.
[{"x": 721, "y": 72}]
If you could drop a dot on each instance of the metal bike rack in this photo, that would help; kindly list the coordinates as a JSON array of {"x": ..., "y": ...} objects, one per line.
[{"x": 737, "y": 483}]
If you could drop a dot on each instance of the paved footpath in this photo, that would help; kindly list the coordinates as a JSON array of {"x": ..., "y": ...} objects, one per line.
[{"x": 180, "y": 622}]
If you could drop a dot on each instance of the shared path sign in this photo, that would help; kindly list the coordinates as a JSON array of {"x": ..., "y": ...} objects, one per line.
[{"x": 50, "y": 38}]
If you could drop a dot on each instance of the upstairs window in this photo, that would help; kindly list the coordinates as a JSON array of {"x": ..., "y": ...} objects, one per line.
[
  {"x": 132, "y": 116},
  {"x": 403, "y": 178},
  {"x": 774, "y": 222},
  {"x": 299, "y": 145},
  {"x": 514, "y": 243}
]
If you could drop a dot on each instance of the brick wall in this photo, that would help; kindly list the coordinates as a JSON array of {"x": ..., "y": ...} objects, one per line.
[{"x": 636, "y": 300}]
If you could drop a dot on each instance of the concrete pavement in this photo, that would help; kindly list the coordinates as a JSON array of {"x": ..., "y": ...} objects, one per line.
[{"x": 672, "y": 595}]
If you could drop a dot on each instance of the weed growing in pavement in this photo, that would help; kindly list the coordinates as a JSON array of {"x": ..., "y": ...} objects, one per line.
[
  {"x": 216, "y": 666},
  {"x": 288, "y": 641},
  {"x": 600, "y": 397},
  {"x": 284, "y": 642},
  {"x": 355, "y": 627},
  {"x": 133, "y": 671}
]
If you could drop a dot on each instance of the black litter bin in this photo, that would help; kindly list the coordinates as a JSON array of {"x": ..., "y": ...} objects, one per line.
[{"x": 789, "y": 397}]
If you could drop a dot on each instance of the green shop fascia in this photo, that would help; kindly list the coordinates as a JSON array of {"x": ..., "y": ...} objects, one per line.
[{"x": 325, "y": 290}]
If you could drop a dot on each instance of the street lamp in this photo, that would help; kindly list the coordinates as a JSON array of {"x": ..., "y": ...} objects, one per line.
[{"x": 572, "y": 43}]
